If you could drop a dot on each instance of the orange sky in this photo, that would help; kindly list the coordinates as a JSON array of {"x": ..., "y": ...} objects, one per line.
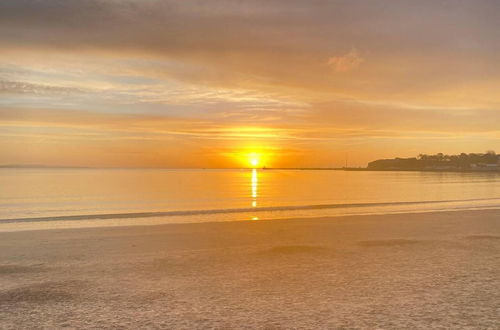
[{"x": 206, "y": 83}]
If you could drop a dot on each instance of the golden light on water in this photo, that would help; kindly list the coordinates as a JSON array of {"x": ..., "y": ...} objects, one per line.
[{"x": 255, "y": 185}]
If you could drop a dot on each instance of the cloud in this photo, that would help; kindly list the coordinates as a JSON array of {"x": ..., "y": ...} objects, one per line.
[
  {"x": 139, "y": 125},
  {"x": 204, "y": 70},
  {"x": 19, "y": 87},
  {"x": 190, "y": 42},
  {"x": 347, "y": 62}
]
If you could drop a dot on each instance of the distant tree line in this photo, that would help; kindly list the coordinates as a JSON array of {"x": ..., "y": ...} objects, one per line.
[{"x": 473, "y": 161}]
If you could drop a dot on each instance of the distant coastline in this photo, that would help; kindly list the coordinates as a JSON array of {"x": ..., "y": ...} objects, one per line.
[
  {"x": 367, "y": 169},
  {"x": 40, "y": 166},
  {"x": 472, "y": 162}
]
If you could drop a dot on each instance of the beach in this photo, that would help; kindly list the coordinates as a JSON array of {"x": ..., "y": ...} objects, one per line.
[{"x": 421, "y": 270}]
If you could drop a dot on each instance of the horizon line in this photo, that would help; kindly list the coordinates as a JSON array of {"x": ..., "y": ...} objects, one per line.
[{"x": 40, "y": 166}]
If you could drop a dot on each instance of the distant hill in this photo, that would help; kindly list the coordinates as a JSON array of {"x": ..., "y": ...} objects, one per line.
[
  {"x": 488, "y": 161},
  {"x": 35, "y": 166}
]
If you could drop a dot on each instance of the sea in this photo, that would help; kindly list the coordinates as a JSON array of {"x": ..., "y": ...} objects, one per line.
[{"x": 33, "y": 199}]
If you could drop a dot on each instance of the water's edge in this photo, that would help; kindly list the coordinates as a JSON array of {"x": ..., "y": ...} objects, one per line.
[{"x": 108, "y": 216}]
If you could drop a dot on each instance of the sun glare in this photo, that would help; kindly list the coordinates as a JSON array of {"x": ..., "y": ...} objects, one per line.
[
  {"x": 254, "y": 159},
  {"x": 253, "y": 156}
]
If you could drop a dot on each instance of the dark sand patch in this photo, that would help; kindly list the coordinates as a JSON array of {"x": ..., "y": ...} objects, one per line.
[
  {"x": 484, "y": 237},
  {"x": 20, "y": 269},
  {"x": 44, "y": 292},
  {"x": 388, "y": 242}
]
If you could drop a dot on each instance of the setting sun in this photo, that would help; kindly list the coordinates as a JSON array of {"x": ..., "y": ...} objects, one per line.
[
  {"x": 254, "y": 159},
  {"x": 253, "y": 156}
]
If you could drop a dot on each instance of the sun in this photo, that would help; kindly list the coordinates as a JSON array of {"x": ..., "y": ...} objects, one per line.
[{"x": 254, "y": 159}]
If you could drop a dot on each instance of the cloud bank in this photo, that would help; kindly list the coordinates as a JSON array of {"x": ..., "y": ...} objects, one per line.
[{"x": 383, "y": 78}]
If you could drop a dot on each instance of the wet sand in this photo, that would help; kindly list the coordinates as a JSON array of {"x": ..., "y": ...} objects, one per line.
[{"x": 426, "y": 270}]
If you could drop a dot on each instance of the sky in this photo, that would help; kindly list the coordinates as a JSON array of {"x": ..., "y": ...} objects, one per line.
[{"x": 147, "y": 83}]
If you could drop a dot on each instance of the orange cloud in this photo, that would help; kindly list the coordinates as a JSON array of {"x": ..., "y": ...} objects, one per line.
[
  {"x": 347, "y": 62},
  {"x": 163, "y": 78}
]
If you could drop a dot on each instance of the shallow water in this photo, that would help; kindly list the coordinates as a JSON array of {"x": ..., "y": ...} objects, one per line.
[{"x": 83, "y": 197}]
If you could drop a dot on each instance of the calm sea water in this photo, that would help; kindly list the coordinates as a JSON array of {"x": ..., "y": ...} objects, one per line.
[{"x": 53, "y": 198}]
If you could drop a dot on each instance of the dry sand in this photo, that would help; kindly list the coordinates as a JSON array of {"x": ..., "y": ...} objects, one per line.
[{"x": 428, "y": 270}]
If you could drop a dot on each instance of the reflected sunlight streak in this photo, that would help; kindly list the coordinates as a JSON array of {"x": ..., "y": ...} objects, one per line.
[{"x": 255, "y": 183}]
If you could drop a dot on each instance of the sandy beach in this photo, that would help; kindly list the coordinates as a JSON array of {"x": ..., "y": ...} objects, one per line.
[{"x": 427, "y": 270}]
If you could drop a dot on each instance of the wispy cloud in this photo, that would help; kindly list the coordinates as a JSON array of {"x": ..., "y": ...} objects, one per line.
[
  {"x": 316, "y": 75},
  {"x": 347, "y": 62},
  {"x": 19, "y": 87}
]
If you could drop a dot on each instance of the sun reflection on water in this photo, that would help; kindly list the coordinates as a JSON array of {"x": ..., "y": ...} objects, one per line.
[{"x": 254, "y": 185}]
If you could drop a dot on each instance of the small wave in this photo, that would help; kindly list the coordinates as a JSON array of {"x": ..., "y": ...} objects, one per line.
[{"x": 108, "y": 216}]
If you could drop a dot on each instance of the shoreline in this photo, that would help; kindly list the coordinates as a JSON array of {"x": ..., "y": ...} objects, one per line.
[
  {"x": 149, "y": 219},
  {"x": 413, "y": 270},
  {"x": 399, "y": 215},
  {"x": 107, "y": 216}
]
